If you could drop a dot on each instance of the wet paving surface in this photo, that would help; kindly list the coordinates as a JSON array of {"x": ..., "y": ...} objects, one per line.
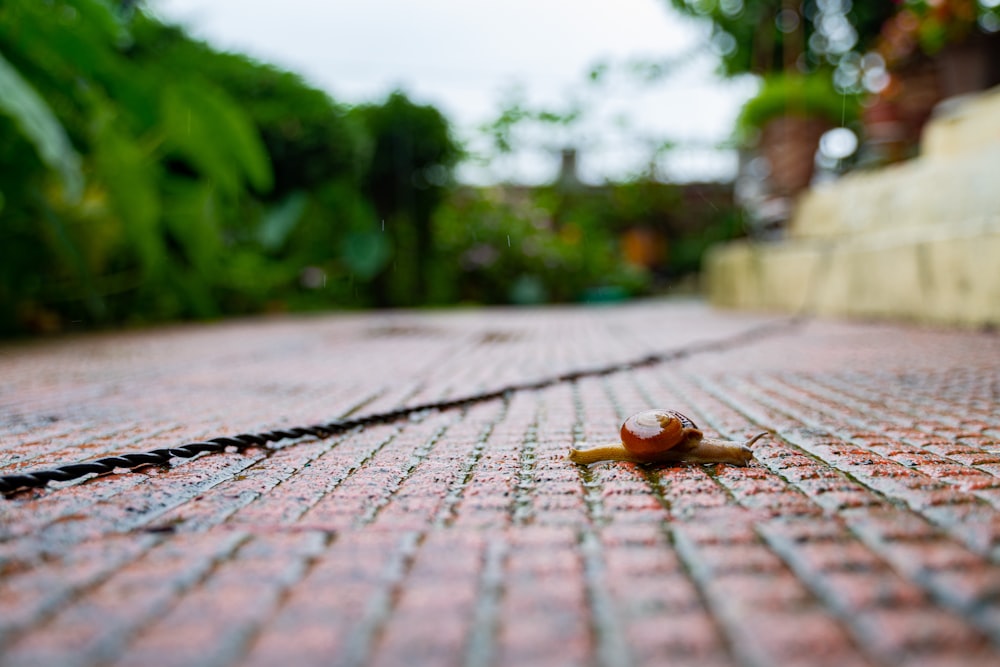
[{"x": 866, "y": 532}]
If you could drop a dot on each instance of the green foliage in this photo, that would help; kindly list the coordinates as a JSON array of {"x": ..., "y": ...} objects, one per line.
[
  {"x": 762, "y": 36},
  {"x": 308, "y": 138},
  {"x": 925, "y": 26},
  {"x": 797, "y": 95},
  {"x": 411, "y": 156},
  {"x": 39, "y": 126},
  {"x": 278, "y": 223},
  {"x": 204, "y": 126},
  {"x": 508, "y": 249},
  {"x": 408, "y": 176},
  {"x": 204, "y": 183},
  {"x": 515, "y": 114},
  {"x": 165, "y": 165},
  {"x": 522, "y": 245}
]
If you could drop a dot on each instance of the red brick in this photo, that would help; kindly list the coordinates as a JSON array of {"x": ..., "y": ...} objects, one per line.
[{"x": 867, "y": 532}]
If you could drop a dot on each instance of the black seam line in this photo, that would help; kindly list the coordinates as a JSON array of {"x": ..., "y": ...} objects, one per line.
[{"x": 72, "y": 471}]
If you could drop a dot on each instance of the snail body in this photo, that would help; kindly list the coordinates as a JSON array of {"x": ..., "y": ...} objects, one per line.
[{"x": 666, "y": 436}]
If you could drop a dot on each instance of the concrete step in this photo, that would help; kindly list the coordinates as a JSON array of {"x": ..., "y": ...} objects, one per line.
[{"x": 916, "y": 241}]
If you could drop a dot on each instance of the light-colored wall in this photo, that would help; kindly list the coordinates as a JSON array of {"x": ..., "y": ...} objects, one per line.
[{"x": 917, "y": 241}]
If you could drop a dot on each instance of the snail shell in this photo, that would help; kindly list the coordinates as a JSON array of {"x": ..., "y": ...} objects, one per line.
[{"x": 666, "y": 436}]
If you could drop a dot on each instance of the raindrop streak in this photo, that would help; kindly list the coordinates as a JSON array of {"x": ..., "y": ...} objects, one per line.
[
  {"x": 383, "y": 225},
  {"x": 508, "y": 240},
  {"x": 706, "y": 200}
]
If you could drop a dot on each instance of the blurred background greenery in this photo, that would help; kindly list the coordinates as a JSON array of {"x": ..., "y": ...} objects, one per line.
[{"x": 147, "y": 177}]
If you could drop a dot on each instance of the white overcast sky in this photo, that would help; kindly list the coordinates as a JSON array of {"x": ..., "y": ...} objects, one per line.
[{"x": 463, "y": 56}]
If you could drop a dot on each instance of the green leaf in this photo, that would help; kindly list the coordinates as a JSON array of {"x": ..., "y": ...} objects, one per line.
[
  {"x": 131, "y": 182},
  {"x": 280, "y": 220},
  {"x": 209, "y": 129},
  {"x": 40, "y": 127},
  {"x": 366, "y": 253},
  {"x": 101, "y": 19},
  {"x": 192, "y": 217}
]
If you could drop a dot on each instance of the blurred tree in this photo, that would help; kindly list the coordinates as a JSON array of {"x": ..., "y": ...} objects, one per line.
[
  {"x": 762, "y": 36},
  {"x": 506, "y": 247},
  {"x": 408, "y": 176},
  {"x": 166, "y": 207},
  {"x": 308, "y": 137},
  {"x": 317, "y": 152},
  {"x": 145, "y": 176}
]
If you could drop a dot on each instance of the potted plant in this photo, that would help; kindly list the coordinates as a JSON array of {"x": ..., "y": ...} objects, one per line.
[
  {"x": 934, "y": 49},
  {"x": 784, "y": 122}
]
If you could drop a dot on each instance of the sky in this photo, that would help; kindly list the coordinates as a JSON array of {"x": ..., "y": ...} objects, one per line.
[{"x": 466, "y": 57}]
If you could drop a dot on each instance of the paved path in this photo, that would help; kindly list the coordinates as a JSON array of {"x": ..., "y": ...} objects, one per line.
[{"x": 867, "y": 533}]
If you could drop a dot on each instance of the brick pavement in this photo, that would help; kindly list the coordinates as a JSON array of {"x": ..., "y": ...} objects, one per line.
[{"x": 867, "y": 533}]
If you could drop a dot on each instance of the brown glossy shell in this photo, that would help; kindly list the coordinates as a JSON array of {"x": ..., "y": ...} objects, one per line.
[{"x": 646, "y": 435}]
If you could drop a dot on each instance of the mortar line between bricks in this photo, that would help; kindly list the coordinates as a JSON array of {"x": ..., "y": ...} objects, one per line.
[
  {"x": 836, "y": 394},
  {"x": 364, "y": 639},
  {"x": 688, "y": 558},
  {"x": 655, "y": 483},
  {"x": 333, "y": 483},
  {"x": 825, "y": 395},
  {"x": 612, "y": 651},
  {"x": 853, "y": 625},
  {"x": 101, "y": 652},
  {"x": 282, "y": 475},
  {"x": 136, "y": 522},
  {"x": 418, "y": 456},
  {"x": 366, "y": 401},
  {"x": 308, "y": 560},
  {"x": 591, "y": 489},
  {"x": 855, "y": 621},
  {"x": 522, "y": 512},
  {"x": 21, "y": 464},
  {"x": 445, "y": 516},
  {"x": 481, "y": 647},
  {"x": 691, "y": 565},
  {"x": 689, "y": 568},
  {"x": 788, "y": 436},
  {"x": 241, "y": 540},
  {"x": 238, "y": 541},
  {"x": 70, "y": 472},
  {"x": 950, "y": 404},
  {"x": 938, "y": 593},
  {"x": 792, "y": 408},
  {"x": 70, "y": 595}
]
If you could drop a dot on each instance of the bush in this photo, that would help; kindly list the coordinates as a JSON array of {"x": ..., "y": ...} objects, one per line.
[{"x": 796, "y": 95}]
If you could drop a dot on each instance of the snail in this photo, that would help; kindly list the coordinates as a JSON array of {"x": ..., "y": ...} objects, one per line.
[{"x": 666, "y": 436}]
